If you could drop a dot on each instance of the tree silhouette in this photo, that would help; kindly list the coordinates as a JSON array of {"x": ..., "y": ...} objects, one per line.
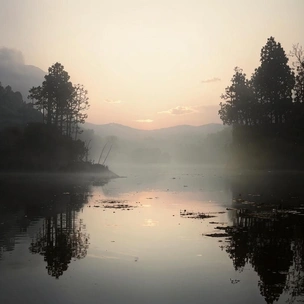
[
  {"x": 298, "y": 53},
  {"x": 239, "y": 101},
  {"x": 79, "y": 105},
  {"x": 14, "y": 111},
  {"x": 273, "y": 82},
  {"x": 298, "y": 114},
  {"x": 267, "y": 97},
  {"x": 61, "y": 103},
  {"x": 267, "y": 111}
]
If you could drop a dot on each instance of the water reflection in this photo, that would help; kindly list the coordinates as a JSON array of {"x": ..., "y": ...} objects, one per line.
[
  {"x": 53, "y": 207},
  {"x": 44, "y": 227},
  {"x": 267, "y": 233},
  {"x": 60, "y": 239}
]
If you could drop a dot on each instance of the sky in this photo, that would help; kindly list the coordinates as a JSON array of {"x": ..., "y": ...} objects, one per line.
[{"x": 150, "y": 64}]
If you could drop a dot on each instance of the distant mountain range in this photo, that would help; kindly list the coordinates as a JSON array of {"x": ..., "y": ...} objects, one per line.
[
  {"x": 22, "y": 78},
  {"x": 182, "y": 143},
  {"x": 128, "y": 133},
  {"x": 18, "y": 75}
]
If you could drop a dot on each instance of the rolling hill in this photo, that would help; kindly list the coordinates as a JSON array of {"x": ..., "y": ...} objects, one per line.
[
  {"x": 128, "y": 133},
  {"x": 183, "y": 143}
]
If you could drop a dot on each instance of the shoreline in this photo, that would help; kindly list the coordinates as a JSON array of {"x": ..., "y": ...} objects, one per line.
[{"x": 57, "y": 176}]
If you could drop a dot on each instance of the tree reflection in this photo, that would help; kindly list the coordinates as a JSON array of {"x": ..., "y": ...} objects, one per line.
[
  {"x": 295, "y": 280},
  {"x": 28, "y": 198},
  {"x": 61, "y": 238},
  {"x": 273, "y": 246}
]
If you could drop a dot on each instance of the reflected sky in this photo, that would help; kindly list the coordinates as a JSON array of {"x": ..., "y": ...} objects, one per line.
[{"x": 134, "y": 246}]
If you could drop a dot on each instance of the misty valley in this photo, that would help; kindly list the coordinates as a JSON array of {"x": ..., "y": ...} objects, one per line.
[{"x": 157, "y": 186}]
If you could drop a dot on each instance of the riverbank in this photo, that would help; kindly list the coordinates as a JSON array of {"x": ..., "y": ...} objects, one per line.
[{"x": 58, "y": 177}]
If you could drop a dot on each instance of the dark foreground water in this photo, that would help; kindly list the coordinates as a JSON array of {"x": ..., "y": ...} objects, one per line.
[{"x": 160, "y": 235}]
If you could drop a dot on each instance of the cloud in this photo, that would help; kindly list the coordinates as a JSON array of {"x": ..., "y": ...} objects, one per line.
[
  {"x": 11, "y": 57},
  {"x": 210, "y": 80},
  {"x": 144, "y": 120},
  {"x": 113, "y": 101},
  {"x": 179, "y": 110}
]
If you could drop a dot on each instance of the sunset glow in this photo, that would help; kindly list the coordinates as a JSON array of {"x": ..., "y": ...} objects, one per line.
[{"x": 150, "y": 64}]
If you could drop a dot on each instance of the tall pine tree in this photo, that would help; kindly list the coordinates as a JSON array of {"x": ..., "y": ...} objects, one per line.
[{"x": 273, "y": 82}]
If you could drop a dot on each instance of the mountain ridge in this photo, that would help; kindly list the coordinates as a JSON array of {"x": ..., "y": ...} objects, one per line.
[
  {"x": 21, "y": 78},
  {"x": 181, "y": 143},
  {"x": 89, "y": 125},
  {"x": 129, "y": 133}
]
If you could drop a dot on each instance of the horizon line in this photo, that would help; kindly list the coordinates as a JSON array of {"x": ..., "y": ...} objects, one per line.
[{"x": 185, "y": 125}]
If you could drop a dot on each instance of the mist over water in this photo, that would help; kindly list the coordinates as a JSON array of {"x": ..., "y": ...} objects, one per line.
[
  {"x": 140, "y": 162},
  {"x": 142, "y": 238},
  {"x": 184, "y": 144}
]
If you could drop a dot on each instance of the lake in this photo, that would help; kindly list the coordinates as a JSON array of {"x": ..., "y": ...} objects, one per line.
[{"x": 156, "y": 235}]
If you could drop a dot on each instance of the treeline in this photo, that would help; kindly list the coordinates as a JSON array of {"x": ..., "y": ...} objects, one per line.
[
  {"x": 38, "y": 147},
  {"x": 42, "y": 135},
  {"x": 61, "y": 103},
  {"x": 267, "y": 110},
  {"x": 273, "y": 95},
  {"x": 14, "y": 111}
]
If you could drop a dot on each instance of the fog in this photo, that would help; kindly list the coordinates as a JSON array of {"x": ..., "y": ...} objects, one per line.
[
  {"x": 158, "y": 159},
  {"x": 117, "y": 144}
]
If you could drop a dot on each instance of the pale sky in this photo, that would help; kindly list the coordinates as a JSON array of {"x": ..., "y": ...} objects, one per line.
[{"x": 150, "y": 63}]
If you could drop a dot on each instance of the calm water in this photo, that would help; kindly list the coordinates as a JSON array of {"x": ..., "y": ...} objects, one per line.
[{"x": 136, "y": 239}]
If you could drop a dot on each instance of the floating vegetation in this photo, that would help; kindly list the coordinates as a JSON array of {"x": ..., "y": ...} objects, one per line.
[
  {"x": 120, "y": 206},
  {"x": 195, "y": 215},
  {"x": 217, "y": 212},
  {"x": 272, "y": 213},
  {"x": 234, "y": 281},
  {"x": 115, "y": 204},
  {"x": 220, "y": 228},
  {"x": 218, "y": 235},
  {"x": 112, "y": 201},
  {"x": 243, "y": 202}
]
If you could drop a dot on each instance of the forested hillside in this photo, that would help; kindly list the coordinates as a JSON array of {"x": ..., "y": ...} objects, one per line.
[
  {"x": 42, "y": 135},
  {"x": 14, "y": 111},
  {"x": 267, "y": 111}
]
